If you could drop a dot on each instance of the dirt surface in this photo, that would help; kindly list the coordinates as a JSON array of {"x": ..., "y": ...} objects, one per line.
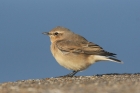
[{"x": 108, "y": 83}]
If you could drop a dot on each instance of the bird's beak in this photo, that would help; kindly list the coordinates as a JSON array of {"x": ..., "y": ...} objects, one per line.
[{"x": 46, "y": 33}]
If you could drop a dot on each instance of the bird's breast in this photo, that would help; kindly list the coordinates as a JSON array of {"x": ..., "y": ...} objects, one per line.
[{"x": 70, "y": 60}]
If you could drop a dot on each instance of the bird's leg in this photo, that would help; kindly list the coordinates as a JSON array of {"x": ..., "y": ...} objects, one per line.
[{"x": 71, "y": 74}]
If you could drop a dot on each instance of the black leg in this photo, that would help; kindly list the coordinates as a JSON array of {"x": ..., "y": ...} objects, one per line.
[{"x": 71, "y": 74}]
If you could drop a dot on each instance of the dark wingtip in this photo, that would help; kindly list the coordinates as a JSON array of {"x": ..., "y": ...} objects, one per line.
[{"x": 109, "y": 54}]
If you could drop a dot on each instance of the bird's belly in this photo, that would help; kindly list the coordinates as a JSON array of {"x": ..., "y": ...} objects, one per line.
[{"x": 72, "y": 61}]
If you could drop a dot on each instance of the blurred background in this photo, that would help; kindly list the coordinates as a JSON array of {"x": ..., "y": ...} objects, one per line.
[{"x": 25, "y": 51}]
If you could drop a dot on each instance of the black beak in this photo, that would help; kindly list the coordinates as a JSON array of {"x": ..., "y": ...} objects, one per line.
[{"x": 46, "y": 33}]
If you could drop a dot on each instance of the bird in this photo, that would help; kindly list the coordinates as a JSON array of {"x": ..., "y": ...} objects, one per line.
[{"x": 74, "y": 52}]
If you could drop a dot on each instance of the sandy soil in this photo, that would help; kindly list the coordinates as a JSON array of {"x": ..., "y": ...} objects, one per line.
[{"x": 108, "y": 83}]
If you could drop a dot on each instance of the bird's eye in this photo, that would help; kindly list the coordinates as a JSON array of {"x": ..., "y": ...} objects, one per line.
[{"x": 56, "y": 33}]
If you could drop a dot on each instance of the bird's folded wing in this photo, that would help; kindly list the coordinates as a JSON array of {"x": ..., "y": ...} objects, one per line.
[{"x": 81, "y": 47}]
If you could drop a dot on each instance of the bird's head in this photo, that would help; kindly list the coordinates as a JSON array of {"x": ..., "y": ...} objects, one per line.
[{"x": 58, "y": 33}]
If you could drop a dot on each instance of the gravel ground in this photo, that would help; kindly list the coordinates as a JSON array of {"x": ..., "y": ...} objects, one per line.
[{"x": 107, "y": 83}]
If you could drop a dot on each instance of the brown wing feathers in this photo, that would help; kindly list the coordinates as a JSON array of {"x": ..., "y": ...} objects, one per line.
[
  {"x": 97, "y": 50},
  {"x": 84, "y": 47}
]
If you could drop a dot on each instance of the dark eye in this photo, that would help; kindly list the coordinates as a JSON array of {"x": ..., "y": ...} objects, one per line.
[{"x": 56, "y": 33}]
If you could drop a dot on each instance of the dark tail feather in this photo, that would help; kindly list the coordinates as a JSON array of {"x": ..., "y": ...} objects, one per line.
[{"x": 115, "y": 60}]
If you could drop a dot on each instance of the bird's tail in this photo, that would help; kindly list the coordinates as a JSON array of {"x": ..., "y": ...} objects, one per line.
[
  {"x": 106, "y": 58},
  {"x": 114, "y": 60}
]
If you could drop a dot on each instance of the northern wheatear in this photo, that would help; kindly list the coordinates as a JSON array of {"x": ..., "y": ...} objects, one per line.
[{"x": 74, "y": 52}]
